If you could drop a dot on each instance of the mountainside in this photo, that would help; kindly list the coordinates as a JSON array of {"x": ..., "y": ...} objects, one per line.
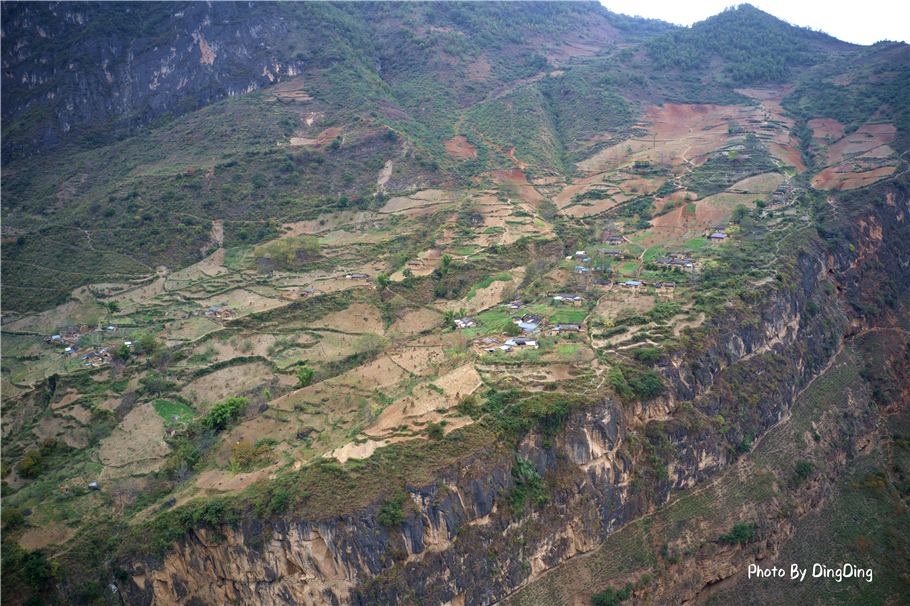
[{"x": 455, "y": 303}]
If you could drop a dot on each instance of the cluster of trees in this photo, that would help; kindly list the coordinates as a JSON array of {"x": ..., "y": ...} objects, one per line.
[{"x": 757, "y": 46}]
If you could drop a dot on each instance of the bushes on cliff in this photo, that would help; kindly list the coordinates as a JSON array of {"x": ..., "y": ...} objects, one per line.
[
  {"x": 740, "y": 534},
  {"x": 611, "y": 596},
  {"x": 391, "y": 514}
]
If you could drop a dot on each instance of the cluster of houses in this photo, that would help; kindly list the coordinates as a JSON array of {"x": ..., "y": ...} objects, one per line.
[
  {"x": 680, "y": 260},
  {"x": 570, "y": 298},
  {"x": 530, "y": 323},
  {"x": 492, "y": 344},
  {"x": 219, "y": 313},
  {"x": 780, "y": 195},
  {"x": 466, "y": 322}
]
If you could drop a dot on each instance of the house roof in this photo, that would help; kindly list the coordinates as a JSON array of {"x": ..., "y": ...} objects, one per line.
[
  {"x": 719, "y": 236},
  {"x": 632, "y": 283}
]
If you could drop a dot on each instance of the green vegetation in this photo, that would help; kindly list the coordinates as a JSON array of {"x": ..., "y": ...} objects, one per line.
[{"x": 168, "y": 410}]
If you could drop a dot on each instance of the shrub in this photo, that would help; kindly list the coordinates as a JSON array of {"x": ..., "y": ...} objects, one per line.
[
  {"x": 12, "y": 518},
  {"x": 434, "y": 431},
  {"x": 610, "y": 597},
  {"x": 305, "y": 377},
  {"x": 741, "y": 533},
  {"x": 804, "y": 469},
  {"x": 224, "y": 412},
  {"x": 391, "y": 514},
  {"x": 32, "y": 464},
  {"x": 468, "y": 406}
]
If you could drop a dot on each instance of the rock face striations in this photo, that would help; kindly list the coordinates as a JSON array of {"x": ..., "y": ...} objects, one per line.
[
  {"x": 463, "y": 542},
  {"x": 78, "y": 66}
]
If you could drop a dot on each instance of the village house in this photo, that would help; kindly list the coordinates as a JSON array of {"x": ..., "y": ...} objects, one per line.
[
  {"x": 610, "y": 252},
  {"x": 633, "y": 285},
  {"x": 567, "y": 328},
  {"x": 718, "y": 238},
  {"x": 522, "y": 342},
  {"x": 357, "y": 276},
  {"x": 613, "y": 240},
  {"x": 465, "y": 323},
  {"x": 575, "y": 300}
]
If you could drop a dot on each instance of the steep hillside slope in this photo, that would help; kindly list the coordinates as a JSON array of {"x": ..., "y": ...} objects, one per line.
[{"x": 458, "y": 303}]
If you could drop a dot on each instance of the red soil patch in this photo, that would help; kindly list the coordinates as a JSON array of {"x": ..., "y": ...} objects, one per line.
[
  {"x": 832, "y": 178},
  {"x": 827, "y": 128},
  {"x": 867, "y": 137},
  {"x": 326, "y": 136},
  {"x": 460, "y": 148},
  {"x": 514, "y": 175},
  {"x": 788, "y": 155},
  {"x": 844, "y": 79}
]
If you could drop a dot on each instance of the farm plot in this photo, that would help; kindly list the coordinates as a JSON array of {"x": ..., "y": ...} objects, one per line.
[
  {"x": 358, "y": 318},
  {"x": 136, "y": 445},
  {"x": 226, "y": 383}
]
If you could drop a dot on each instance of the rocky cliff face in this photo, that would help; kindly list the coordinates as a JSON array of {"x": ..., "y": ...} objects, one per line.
[
  {"x": 464, "y": 544},
  {"x": 187, "y": 56}
]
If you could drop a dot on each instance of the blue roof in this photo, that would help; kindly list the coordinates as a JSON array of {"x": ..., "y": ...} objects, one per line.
[
  {"x": 526, "y": 326},
  {"x": 632, "y": 283}
]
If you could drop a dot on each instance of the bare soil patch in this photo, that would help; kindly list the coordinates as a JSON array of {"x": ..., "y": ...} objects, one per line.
[
  {"x": 832, "y": 178},
  {"x": 759, "y": 184},
  {"x": 419, "y": 199},
  {"x": 788, "y": 155},
  {"x": 37, "y": 537},
  {"x": 136, "y": 445},
  {"x": 415, "y": 322},
  {"x": 460, "y": 148},
  {"x": 827, "y": 129},
  {"x": 225, "y": 383},
  {"x": 358, "y": 318}
]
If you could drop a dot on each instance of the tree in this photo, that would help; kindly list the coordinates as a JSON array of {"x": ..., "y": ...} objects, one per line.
[
  {"x": 383, "y": 280},
  {"x": 448, "y": 318},
  {"x": 305, "y": 377},
  {"x": 223, "y": 412},
  {"x": 407, "y": 273},
  {"x": 511, "y": 329},
  {"x": 738, "y": 213},
  {"x": 446, "y": 262},
  {"x": 113, "y": 306}
]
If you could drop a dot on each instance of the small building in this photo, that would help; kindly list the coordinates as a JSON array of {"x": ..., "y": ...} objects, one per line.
[
  {"x": 580, "y": 254},
  {"x": 357, "y": 277},
  {"x": 610, "y": 252},
  {"x": 522, "y": 342},
  {"x": 567, "y": 328},
  {"x": 581, "y": 269},
  {"x": 465, "y": 323},
  {"x": 613, "y": 240},
  {"x": 601, "y": 282},
  {"x": 718, "y": 238},
  {"x": 632, "y": 284}
]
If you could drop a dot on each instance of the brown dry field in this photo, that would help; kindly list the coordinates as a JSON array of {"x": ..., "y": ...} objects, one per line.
[
  {"x": 427, "y": 197},
  {"x": 826, "y": 129},
  {"x": 759, "y": 184},
  {"x": 358, "y": 318},
  {"x": 832, "y": 178},
  {"x": 460, "y": 148},
  {"x": 37, "y": 537},
  {"x": 225, "y": 383},
  {"x": 866, "y": 138},
  {"x": 415, "y": 322},
  {"x": 136, "y": 445}
]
